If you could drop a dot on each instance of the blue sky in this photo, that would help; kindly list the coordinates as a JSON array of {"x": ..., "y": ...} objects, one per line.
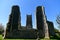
[{"x": 52, "y": 9}]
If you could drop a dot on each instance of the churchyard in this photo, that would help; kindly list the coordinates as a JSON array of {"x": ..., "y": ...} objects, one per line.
[{"x": 15, "y": 31}]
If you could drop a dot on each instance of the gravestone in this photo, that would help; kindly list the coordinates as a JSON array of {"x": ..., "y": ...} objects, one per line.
[{"x": 29, "y": 22}]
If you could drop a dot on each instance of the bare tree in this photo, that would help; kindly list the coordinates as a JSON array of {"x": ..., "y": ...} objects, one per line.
[
  {"x": 58, "y": 21},
  {"x": 1, "y": 28}
]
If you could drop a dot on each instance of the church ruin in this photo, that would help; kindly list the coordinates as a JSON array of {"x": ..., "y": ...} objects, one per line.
[{"x": 14, "y": 28}]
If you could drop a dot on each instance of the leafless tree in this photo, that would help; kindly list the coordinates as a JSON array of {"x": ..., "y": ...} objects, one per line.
[
  {"x": 1, "y": 28},
  {"x": 58, "y": 20}
]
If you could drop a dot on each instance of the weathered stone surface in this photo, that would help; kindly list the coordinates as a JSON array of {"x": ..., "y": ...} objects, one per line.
[
  {"x": 39, "y": 20},
  {"x": 51, "y": 28},
  {"x": 14, "y": 20},
  {"x": 29, "y": 22},
  {"x": 24, "y": 34},
  {"x": 45, "y": 23}
]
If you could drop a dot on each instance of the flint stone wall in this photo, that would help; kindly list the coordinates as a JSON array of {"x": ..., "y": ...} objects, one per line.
[{"x": 24, "y": 34}]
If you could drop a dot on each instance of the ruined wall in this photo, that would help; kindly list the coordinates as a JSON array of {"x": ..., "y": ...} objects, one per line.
[
  {"x": 24, "y": 34},
  {"x": 51, "y": 28},
  {"x": 40, "y": 20},
  {"x": 14, "y": 19}
]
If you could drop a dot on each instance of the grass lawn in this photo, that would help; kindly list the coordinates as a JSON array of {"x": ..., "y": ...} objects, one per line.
[
  {"x": 0, "y": 37},
  {"x": 19, "y": 39},
  {"x": 30, "y": 39}
]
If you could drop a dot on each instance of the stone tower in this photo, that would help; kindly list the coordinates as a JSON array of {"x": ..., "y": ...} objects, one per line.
[
  {"x": 14, "y": 22},
  {"x": 39, "y": 20},
  {"x": 29, "y": 22},
  {"x": 42, "y": 26},
  {"x": 45, "y": 24}
]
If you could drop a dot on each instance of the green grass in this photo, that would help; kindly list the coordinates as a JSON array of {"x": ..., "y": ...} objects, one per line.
[
  {"x": 0, "y": 37},
  {"x": 19, "y": 39},
  {"x": 31, "y": 39}
]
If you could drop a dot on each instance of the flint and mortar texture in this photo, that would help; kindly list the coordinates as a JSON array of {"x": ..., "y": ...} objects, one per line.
[{"x": 29, "y": 22}]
